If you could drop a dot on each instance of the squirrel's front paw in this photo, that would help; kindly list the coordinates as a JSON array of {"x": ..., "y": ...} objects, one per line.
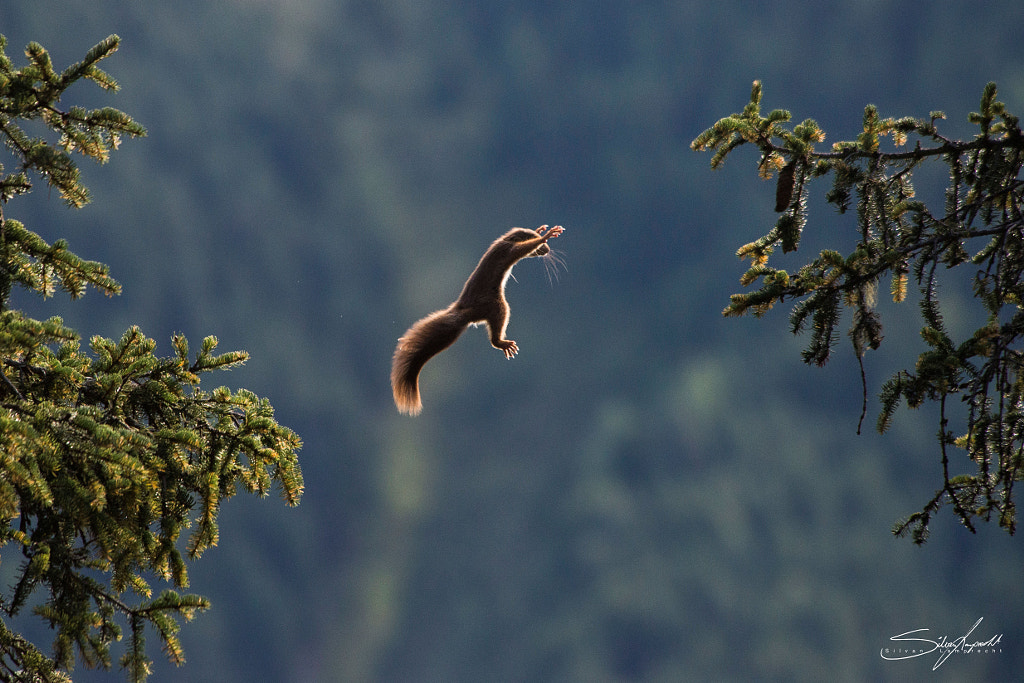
[{"x": 554, "y": 232}]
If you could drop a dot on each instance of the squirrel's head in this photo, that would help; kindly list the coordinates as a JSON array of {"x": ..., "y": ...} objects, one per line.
[
  {"x": 552, "y": 260},
  {"x": 523, "y": 234}
]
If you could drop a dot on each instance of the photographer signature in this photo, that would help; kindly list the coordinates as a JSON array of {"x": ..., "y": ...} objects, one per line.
[{"x": 947, "y": 647}]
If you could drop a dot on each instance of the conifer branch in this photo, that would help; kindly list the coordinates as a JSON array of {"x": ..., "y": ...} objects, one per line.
[
  {"x": 898, "y": 235},
  {"x": 108, "y": 455}
]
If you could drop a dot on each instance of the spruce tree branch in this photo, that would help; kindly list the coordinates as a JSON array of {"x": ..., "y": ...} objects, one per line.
[
  {"x": 954, "y": 147},
  {"x": 897, "y": 234},
  {"x": 864, "y": 386},
  {"x": 7, "y": 383}
]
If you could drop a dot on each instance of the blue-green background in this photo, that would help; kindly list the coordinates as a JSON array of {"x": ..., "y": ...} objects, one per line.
[{"x": 649, "y": 492}]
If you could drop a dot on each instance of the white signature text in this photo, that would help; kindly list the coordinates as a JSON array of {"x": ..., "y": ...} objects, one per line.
[{"x": 945, "y": 646}]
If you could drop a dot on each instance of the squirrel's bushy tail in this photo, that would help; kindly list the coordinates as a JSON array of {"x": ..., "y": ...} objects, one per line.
[{"x": 424, "y": 340}]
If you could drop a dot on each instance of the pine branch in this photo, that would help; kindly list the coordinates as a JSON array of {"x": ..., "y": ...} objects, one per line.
[
  {"x": 110, "y": 454},
  {"x": 897, "y": 236}
]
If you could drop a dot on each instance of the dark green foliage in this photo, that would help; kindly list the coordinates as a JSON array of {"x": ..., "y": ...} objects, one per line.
[
  {"x": 107, "y": 457},
  {"x": 899, "y": 236}
]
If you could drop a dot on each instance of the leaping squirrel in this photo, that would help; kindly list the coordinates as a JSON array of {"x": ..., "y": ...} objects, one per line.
[{"x": 482, "y": 300}]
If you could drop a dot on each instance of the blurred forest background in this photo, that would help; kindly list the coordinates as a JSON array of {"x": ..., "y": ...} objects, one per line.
[{"x": 649, "y": 491}]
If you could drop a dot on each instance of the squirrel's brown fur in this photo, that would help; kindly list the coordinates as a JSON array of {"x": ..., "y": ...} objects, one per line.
[{"x": 482, "y": 300}]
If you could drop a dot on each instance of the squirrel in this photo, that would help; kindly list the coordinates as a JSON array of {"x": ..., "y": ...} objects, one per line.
[{"x": 482, "y": 300}]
